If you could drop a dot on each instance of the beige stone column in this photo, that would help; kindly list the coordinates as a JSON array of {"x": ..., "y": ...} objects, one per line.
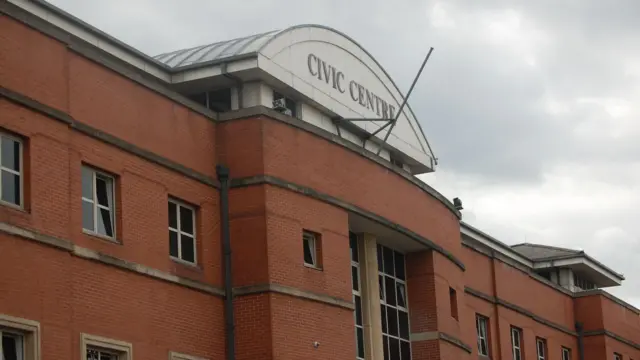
[{"x": 370, "y": 297}]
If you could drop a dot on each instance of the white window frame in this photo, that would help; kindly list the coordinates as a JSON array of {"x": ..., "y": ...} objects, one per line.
[
  {"x": 28, "y": 330},
  {"x": 357, "y": 294},
  {"x": 482, "y": 337},
  {"x": 19, "y": 173},
  {"x": 180, "y": 356},
  {"x": 543, "y": 355},
  {"x": 383, "y": 290},
  {"x": 312, "y": 239},
  {"x": 180, "y": 204},
  {"x": 94, "y": 202},
  {"x": 123, "y": 350},
  {"x": 566, "y": 353},
  {"x": 516, "y": 332}
]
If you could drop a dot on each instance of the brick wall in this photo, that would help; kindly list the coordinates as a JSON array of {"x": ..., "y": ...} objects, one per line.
[{"x": 69, "y": 296}]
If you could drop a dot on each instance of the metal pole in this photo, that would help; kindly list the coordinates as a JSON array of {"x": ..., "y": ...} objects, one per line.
[{"x": 415, "y": 80}]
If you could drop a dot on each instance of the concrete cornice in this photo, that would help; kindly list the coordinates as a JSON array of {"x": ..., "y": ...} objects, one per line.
[
  {"x": 93, "y": 255},
  {"x": 300, "y": 189},
  {"x": 263, "y": 111},
  {"x": 99, "y": 56},
  {"x": 518, "y": 266},
  {"x": 518, "y": 309},
  {"x": 620, "y": 302},
  {"x": 439, "y": 335},
  {"x": 67, "y": 119},
  {"x": 603, "y": 332},
  {"x": 295, "y": 292},
  {"x": 89, "y": 254}
]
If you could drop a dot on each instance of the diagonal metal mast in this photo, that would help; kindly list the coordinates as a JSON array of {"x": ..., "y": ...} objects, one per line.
[{"x": 394, "y": 121}]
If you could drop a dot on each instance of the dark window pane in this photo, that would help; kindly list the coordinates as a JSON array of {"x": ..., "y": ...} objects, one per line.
[
  {"x": 92, "y": 354},
  {"x": 360, "y": 340},
  {"x": 200, "y": 98},
  {"x": 381, "y": 286},
  {"x": 483, "y": 346},
  {"x": 388, "y": 261},
  {"x": 401, "y": 292},
  {"x": 405, "y": 348},
  {"x": 105, "y": 225},
  {"x": 186, "y": 220},
  {"x": 403, "y": 318},
  {"x": 390, "y": 290},
  {"x": 10, "y": 154},
  {"x": 106, "y": 356},
  {"x": 173, "y": 216},
  {"x": 10, "y": 187},
  {"x": 379, "y": 253},
  {"x": 188, "y": 248},
  {"x": 102, "y": 188},
  {"x": 383, "y": 316},
  {"x": 87, "y": 183},
  {"x": 11, "y": 347},
  {"x": 358, "y": 310},
  {"x": 308, "y": 251},
  {"x": 173, "y": 243},
  {"x": 385, "y": 346},
  {"x": 354, "y": 278},
  {"x": 353, "y": 245},
  {"x": 394, "y": 349},
  {"x": 399, "y": 264},
  {"x": 392, "y": 321},
  {"x": 87, "y": 216}
]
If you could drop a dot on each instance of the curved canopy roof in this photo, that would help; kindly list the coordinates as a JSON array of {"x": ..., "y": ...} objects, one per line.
[
  {"x": 327, "y": 67},
  {"x": 215, "y": 51}
]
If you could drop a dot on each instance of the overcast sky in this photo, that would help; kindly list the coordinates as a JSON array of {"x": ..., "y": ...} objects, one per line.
[{"x": 529, "y": 105}]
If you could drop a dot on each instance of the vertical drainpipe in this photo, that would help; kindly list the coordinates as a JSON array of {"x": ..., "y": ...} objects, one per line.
[
  {"x": 223, "y": 178},
  {"x": 496, "y": 306},
  {"x": 580, "y": 331}
]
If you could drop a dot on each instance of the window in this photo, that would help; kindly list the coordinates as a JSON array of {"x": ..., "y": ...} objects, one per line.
[
  {"x": 394, "y": 309},
  {"x": 311, "y": 247},
  {"x": 217, "y": 100},
  {"x": 178, "y": 356},
  {"x": 11, "y": 173},
  {"x": 100, "y": 348},
  {"x": 453, "y": 303},
  {"x": 616, "y": 356},
  {"x": 566, "y": 353},
  {"x": 481, "y": 330},
  {"x": 12, "y": 346},
  {"x": 541, "y": 348},
  {"x": 182, "y": 232},
  {"x": 357, "y": 296},
  {"x": 98, "y": 207},
  {"x": 100, "y": 354},
  {"x": 20, "y": 339},
  {"x": 516, "y": 343}
]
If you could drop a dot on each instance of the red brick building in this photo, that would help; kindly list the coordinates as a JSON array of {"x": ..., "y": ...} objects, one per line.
[{"x": 253, "y": 199}]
